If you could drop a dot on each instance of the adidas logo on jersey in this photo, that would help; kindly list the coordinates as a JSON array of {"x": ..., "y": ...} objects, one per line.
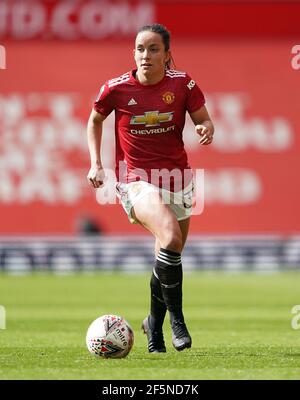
[{"x": 132, "y": 102}]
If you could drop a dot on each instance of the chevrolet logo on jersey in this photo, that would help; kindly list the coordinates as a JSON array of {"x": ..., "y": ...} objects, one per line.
[{"x": 152, "y": 118}]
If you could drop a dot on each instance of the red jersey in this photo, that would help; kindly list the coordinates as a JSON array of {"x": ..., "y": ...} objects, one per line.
[{"x": 149, "y": 120}]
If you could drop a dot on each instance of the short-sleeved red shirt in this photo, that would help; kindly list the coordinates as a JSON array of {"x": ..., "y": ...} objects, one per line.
[{"x": 149, "y": 120}]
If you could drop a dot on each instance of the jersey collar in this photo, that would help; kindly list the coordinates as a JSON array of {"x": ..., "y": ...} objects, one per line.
[{"x": 137, "y": 83}]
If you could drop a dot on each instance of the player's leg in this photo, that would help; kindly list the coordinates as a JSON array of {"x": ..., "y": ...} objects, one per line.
[
  {"x": 184, "y": 228},
  {"x": 159, "y": 219},
  {"x": 180, "y": 335},
  {"x": 158, "y": 307}
]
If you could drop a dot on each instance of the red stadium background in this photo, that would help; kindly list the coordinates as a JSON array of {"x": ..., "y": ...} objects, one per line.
[{"x": 249, "y": 73}]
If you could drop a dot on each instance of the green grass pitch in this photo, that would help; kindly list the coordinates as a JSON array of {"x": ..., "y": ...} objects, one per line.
[{"x": 240, "y": 325}]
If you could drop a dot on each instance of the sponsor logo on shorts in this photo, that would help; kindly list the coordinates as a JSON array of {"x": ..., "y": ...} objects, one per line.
[{"x": 136, "y": 188}]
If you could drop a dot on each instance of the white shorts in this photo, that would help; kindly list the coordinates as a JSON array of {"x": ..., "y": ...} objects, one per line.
[{"x": 179, "y": 202}]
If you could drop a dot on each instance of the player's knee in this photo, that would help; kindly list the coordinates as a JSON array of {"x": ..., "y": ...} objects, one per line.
[{"x": 172, "y": 240}]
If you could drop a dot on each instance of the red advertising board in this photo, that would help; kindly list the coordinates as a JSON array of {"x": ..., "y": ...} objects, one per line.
[
  {"x": 102, "y": 19},
  {"x": 251, "y": 170}
]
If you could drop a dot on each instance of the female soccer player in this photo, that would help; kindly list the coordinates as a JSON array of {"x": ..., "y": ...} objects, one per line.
[{"x": 154, "y": 177}]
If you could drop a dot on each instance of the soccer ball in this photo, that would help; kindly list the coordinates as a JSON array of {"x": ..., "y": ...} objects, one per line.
[{"x": 109, "y": 336}]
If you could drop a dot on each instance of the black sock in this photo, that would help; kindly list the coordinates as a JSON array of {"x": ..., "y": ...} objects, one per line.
[
  {"x": 169, "y": 271},
  {"x": 158, "y": 306}
]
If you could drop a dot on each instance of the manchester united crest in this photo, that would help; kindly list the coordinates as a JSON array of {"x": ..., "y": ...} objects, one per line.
[{"x": 168, "y": 97}]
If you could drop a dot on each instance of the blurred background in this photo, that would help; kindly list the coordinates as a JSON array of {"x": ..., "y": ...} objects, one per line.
[{"x": 55, "y": 56}]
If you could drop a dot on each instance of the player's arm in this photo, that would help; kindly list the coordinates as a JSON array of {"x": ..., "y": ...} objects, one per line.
[
  {"x": 203, "y": 125},
  {"x": 94, "y": 135}
]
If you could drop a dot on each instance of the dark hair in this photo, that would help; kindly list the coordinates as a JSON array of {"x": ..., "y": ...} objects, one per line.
[{"x": 165, "y": 35}]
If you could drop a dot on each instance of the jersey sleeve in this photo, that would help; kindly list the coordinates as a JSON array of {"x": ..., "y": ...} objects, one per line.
[
  {"x": 194, "y": 98},
  {"x": 104, "y": 102}
]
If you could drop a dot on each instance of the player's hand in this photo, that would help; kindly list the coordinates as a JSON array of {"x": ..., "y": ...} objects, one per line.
[
  {"x": 96, "y": 176},
  {"x": 205, "y": 133}
]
